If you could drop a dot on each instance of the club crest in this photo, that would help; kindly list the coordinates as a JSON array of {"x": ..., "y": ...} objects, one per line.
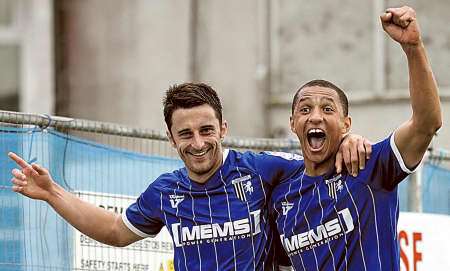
[
  {"x": 243, "y": 187},
  {"x": 335, "y": 186}
]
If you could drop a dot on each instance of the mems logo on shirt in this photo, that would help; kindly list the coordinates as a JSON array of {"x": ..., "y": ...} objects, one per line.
[
  {"x": 322, "y": 234},
  {"x": 212, "y": 233}
]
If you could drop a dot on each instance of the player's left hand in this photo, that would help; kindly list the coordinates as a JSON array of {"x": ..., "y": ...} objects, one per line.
[
  {"x": 353, "y": 152},
  {"x": 401, "y": 25}
]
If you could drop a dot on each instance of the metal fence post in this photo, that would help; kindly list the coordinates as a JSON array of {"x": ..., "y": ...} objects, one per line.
[{"x": 415, "y": 191}]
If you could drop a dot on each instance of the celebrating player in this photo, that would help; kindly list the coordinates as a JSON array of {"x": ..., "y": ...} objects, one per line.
[
  {"x": 330, "y": 221},
  {"x": 215, "y": 208}
]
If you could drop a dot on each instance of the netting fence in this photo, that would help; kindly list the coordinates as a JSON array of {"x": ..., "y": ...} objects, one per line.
[{"x": 110, "y": 165}]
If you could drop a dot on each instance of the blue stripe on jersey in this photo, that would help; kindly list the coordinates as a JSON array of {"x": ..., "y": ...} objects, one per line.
[
  {"x": 222, "y": 224},
  {"x": 340, "y": 222}
]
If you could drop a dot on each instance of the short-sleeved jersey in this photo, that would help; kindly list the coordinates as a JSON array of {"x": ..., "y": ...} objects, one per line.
[
  {"x": 222, "y": 224},
  {"x": 340, "y": 222}
]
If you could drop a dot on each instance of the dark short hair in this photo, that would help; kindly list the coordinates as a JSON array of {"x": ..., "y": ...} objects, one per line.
[
  {"x": 326, "y": 84},
  {"x": 189, "y": 95}
]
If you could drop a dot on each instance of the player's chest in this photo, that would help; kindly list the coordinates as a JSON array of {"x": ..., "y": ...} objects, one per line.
[
  {"x": 234, "y": 196},
  {"x": 300, "y": 206}
]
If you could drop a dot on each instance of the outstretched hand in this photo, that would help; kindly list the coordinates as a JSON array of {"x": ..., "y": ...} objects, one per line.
[
  {"x": 401, "y": 25},
  {"x": 353, "y": 152},
  {"x": 32, "y": 181}
]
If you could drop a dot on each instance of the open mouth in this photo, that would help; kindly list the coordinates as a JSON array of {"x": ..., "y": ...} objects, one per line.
[{"x": 316, "y": 138}]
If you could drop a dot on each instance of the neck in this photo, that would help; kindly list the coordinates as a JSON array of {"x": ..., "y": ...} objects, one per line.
[
  {"x": 318, "y": 168},
  {"x": 202, "y": 178}
]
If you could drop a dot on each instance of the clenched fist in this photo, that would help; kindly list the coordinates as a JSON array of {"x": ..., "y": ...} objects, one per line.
[{"x": 401, "y": 25}]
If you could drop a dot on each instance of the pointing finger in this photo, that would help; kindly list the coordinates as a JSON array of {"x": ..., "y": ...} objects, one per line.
[{"x": 22, "y": 163}]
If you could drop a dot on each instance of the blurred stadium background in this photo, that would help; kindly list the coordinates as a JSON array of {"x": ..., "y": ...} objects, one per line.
[{"x": 110, "y": 62}]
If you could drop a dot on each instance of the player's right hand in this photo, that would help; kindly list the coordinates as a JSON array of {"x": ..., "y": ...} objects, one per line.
[{"x": 32, "y": 181}]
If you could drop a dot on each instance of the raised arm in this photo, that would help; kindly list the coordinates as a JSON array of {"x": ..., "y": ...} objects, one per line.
[
  {"x": 413, "y": 137},
  {"x": 35, "y": 182}
]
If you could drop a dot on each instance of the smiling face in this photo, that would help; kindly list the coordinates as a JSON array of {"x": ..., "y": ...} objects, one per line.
[
  {"x": 318, "y": 121},
  {"x": 196, "y": 133}
]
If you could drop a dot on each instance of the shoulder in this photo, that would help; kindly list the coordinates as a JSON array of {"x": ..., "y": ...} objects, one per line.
[
  {"x": 271, "y": 155},
  {"x": 264, "y": 159},
  {"x": 284, "y": 155},
  {"x": 165, "y": 181},
  {"x": 386, "y": 147}
]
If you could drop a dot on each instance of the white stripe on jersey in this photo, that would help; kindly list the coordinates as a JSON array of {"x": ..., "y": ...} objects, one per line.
[
  {"x": 251, "y": 226},
  {"x": 210, "y": 220},
  {"x": 265, "y": 222},
  {"x": 175, "y": 192},
  {"x": 309, "y": 228},
  {"x": 321, "y": 222},
  {"x": 276, "y": 225},
  {"x": 376, "y": 225},
  {"x": 296, "y": 213},
  {"x": 359, "y": 225},
  {"x": 395, "y": 219},
  {"x": 165, "y": 220},
  {"x": 285, "y": 215},
  {"x": 229, "y": 216},
  {"x": 345, "y": 237},
  {"x": 196, "y": 224}
]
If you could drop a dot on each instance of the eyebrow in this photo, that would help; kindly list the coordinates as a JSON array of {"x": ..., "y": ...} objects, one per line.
[
  {"x": 207, "y": 126},
  {"x": 201, "y": 127},
  {"x": 322, "y": 98},
  {"x": 183, "y": 130}
]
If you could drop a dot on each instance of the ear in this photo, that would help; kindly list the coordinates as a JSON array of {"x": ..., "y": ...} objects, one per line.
[
  {"x": 346, "y": 125},
  {"x": 291, "y": 123},
  {"x": 172, "y": 142},
  {"x": 223, "y": 129}
]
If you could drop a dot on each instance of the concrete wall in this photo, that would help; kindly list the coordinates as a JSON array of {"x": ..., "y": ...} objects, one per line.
[
  {"x": 116, "y": 58},
  {"x": 337, "y": 41}
]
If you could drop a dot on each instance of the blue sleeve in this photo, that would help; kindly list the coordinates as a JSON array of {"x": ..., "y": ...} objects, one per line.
[
  {"x": 275, "y": 167},
  {"x": 386, "y": 168},
  {"x": 143, "y": 216}
]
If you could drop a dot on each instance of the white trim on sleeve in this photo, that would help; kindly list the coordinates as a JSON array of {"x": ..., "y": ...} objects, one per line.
[
  {"x": 399, "y": 156},
  {"x": 133, "y": 228}
]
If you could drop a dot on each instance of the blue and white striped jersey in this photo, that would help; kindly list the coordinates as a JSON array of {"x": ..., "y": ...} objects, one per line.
[
  {"x": 222, "y": 224},
  {"x": 340, "y": 222}
]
